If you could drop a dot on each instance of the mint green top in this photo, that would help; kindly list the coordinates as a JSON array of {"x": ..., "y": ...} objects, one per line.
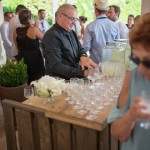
[{"x": 140, "y": 137}]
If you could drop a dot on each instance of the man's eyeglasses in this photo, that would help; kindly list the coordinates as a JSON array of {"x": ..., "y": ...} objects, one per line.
[
  {"x": 70, "y": 18},
  {"x": 137, "y": 61}
]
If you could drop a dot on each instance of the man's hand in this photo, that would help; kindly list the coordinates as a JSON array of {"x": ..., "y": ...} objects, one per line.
[{"x": 87, "y": 62}]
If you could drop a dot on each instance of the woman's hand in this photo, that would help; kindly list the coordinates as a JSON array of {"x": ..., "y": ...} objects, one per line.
[{"x": 136, "y": 111}]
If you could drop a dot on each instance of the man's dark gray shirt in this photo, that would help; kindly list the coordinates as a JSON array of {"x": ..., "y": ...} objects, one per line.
[{"x": 62, "y": 52}]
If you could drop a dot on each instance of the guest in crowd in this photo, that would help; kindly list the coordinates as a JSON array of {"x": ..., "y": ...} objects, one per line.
[
  {"x": 43, "y": 24},
  {"x": 113, "y": 14},
  {"x": 4, "y": 30},
  {"x": 130, "y": 21},
  {"x": 13, "y": 24},
  {"x": 98, "y": 32},
  {"x": 27, "y": 39},
  {"x": 129, "y": 112},
  {"x": 82, "y": 21},
  {"x": 12, "y": 14},
  {"x": 136, "y": 19},
  {"x": 77, "y": 28},
  {"x": 64, "y": 56}
]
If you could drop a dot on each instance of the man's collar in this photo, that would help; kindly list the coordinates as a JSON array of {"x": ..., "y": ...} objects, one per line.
[
  {"x": 101, "y": 16},
  {"x": 117, "y": 21},
  {"x": 62, "y": 30}
]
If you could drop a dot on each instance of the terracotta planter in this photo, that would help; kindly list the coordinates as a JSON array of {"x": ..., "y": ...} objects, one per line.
[{"x": 13, "y": 93}]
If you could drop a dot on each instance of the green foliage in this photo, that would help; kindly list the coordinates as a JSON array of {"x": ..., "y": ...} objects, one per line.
[
  {"x": 13, "y": 74},
  {"x": 33, "y": 5},
  {"x": 8, "y": 9},
  {"x": 85, "y": 7}
]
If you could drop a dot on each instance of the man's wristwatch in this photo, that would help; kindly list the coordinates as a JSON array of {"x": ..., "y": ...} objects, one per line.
[{"x": 83, "y": 55}]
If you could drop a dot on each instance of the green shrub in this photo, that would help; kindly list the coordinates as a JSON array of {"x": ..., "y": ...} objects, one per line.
[{"x": 13, "y": 74}]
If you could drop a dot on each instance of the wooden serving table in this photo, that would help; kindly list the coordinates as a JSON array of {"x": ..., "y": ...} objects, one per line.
[{"x": 71, "y": 131}]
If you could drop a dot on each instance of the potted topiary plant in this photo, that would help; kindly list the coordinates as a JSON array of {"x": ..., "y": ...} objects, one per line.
[{"x": 13, "y": 79}]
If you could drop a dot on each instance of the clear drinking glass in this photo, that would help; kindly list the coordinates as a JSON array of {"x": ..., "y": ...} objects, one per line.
[
  {"x": 29, "y": 92},
  {"x": 90, "y": 73},
  {"x": 94, "y": 74},
  {"x": 145, "y": 123},
  {"x": 49, "y": 100}
]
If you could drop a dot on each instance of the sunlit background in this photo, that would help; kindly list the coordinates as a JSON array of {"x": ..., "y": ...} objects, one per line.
[{"x": 85, "y": 7}]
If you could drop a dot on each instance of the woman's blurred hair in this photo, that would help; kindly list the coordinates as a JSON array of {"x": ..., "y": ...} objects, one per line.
[{"x": 25, "y": 16}]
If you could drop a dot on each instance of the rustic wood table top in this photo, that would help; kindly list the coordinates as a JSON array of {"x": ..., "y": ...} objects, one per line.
[{"x": 62, "y": 111}]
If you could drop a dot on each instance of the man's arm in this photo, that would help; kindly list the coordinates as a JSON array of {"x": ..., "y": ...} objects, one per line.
[
  {"x": 124, "y": 31},
  {"x": 85, "y": 62},
  {"x": 87, "y": 39},
  {"x": 5, "y": 36}
]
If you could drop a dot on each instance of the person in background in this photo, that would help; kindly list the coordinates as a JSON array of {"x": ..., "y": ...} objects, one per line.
[
  {"x": 4, "y": 30},
  {"x": 77, "y": 29},
  {"x": 129, "y": 112},
  {"x": 130, "y": 21},
  {"x": 113, "y": 14},
  {"x": 12, "y": 14},
  {"x": 100, "y": 31},
  {"x": 43, "y": 24},
  {"x": 82, "y": 21},
  {"x": 64, "y": 56},
  {"x": 13, "y": 24},
  {"x": 136, "y": 19},
  {"x": 27, "y": 38}
]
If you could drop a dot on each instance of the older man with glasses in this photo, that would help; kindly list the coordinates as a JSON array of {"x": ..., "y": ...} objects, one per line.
[{"x": 64, "y": 55}]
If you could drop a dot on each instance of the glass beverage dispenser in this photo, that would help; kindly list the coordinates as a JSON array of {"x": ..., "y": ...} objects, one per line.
[{"x": 118, "y": 51}]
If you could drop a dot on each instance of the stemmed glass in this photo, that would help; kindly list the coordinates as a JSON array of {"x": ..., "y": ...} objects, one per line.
[
  {"x": 73, "y": 87},
  {"x": 28, "y": 92},
  {"x": 90, "y": 73}
]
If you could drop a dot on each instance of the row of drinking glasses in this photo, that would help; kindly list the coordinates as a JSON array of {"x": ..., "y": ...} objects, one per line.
[{"x": 92, "y": 97}]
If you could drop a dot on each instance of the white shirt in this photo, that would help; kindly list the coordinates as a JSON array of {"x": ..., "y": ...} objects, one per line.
[
  {"x": 45, "y": 25},
  {"x": 124, "y": 31},
  {"x": 13, "y": 24},
  {"x": 77, "y": 29},
  {"x": 4, "y": 30}
]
